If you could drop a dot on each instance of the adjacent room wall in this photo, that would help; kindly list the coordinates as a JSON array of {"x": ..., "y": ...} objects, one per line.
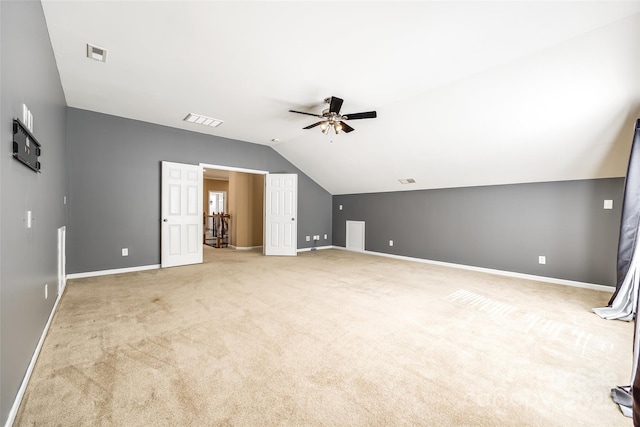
[
  {"x": 28, "y": 75},
  {"x": 498, "y": 227},
  {"x": 256, "y": 222},
  {"x": 246, "y": 209},
  {"x": 114, "y": 186}
]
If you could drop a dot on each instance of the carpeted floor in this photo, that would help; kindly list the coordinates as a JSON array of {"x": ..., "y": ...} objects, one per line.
[{"x": 329, "y": 338}]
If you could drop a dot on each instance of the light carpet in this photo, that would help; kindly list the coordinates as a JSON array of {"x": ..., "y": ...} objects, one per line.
[{"x": 327, "y": 338}]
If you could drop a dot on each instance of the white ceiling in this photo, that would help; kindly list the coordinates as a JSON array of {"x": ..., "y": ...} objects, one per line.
[{"x": 467, "y": 93}]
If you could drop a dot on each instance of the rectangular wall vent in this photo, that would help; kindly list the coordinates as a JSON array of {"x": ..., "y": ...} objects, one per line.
[
  {"x": 407, "y": 181},
  {"x": 96, "y": 53},
  {"x": 202, "y": 120}
]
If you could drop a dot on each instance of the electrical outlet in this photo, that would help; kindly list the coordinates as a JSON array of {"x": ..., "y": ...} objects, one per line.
[
  {"x": 46, "y": 291},
  {"x": 308, "y": 238},
  {"x": 125, "y": 251},
  {"x": 29, "y": 219},
  {"x": 325, "y": 237},
  {"x": 542, "y": 259},
  {"x": 390, "y": 242},
  {"x": 340, "y": 207},
  {"x": 316, "y": 237}
]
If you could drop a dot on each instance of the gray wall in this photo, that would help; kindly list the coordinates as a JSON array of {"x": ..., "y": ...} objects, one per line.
[
  {"x": 114, "y": 186},
  {"x": 29, "y": 256},
  {"x": 499, "y": 227}
]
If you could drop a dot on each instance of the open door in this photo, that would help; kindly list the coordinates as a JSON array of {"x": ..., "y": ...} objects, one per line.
[
  {"x": 281, "y": 209},
  {"x": 181, "y": 231}
]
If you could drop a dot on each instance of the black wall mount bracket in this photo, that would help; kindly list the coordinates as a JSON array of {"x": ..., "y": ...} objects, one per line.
[{"x": 26, "y": 148}]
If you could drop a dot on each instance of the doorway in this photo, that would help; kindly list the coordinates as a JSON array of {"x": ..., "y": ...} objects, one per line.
[
  {"x": 183, "y": 194},
  {"x": 237, "y": 194},
  {"x": 217, "y": 202}
]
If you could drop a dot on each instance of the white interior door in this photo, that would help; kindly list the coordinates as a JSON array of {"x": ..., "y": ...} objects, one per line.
[
  {"x": 181, "y": 231},
  {"x": 281, "y": 210}
]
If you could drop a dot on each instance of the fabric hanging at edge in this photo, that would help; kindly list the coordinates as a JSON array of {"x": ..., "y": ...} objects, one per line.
[
  {"x": 630, "y": 213},
  {"x": 624, "y": 302}
]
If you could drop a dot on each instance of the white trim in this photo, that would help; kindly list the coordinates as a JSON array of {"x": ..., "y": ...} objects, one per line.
[
  {"x": 27, "y": 376},
  {"x": 592, "y": 286},
  {"x": 233, "y": 169},
  {"x": 114, "y": 271},
  {"x": 62, "y": 259},
  {"x": 318, "y": 248}
]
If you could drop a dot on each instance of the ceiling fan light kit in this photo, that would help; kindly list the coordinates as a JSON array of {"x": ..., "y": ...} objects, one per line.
[{"x": 332, "y": 119}]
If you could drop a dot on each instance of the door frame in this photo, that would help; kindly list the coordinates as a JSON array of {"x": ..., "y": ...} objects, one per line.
[
  {"x": 243, "y": 170},
  {"x": 233, "y": 169}
]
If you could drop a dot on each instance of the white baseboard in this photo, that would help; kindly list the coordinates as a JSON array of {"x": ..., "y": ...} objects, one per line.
[
  {"x": 114, "y": 271},
  {"x": 245, "y": 248},
  {"x": 553, "y": 280},
  {"x": 316, "y": 248},
  {"x": 27, "y": 376}
]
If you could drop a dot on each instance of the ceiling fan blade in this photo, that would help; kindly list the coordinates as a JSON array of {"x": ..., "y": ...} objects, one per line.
[
  {"x": 366, "y": 115},
  {"x": 302, "y": 112},
  {"x": 335, "y": 105},
  {"x": 313, "y": 125},
  {"x": 346, "y": 128}
]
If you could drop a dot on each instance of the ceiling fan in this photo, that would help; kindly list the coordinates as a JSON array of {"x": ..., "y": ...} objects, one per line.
[{"x": 331, "y": 117}]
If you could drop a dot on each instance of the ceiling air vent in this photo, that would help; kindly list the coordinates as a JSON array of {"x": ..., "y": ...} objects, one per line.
[
  {"x": 96, "y": 53},
  {"x": 202, "y": 120},
  {"x": 407, "y": 181}
]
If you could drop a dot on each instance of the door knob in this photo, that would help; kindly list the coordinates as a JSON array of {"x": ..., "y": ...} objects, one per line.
[
  {"x": 293, "y": 219},
  {"x": 165, "y": 220}
]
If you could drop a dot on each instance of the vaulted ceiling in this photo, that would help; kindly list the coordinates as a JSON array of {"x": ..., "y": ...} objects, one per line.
[{"x": 467, "y": 93}]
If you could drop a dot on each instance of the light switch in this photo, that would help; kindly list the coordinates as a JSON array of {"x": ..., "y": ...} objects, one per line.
[
  {"x": 608, "y": 204},
  {"x": 29, "y": 219}
]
